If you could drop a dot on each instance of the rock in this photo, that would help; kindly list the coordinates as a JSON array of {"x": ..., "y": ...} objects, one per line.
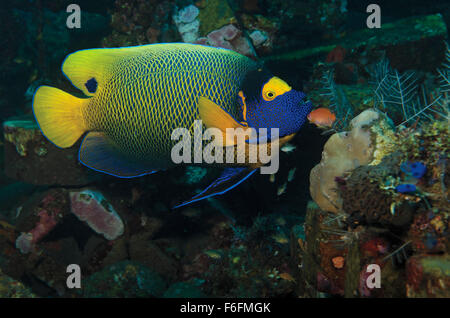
[
  {"x": 188, "y": 289},
  {"x": 329, "y": 260},
  {"x": 54, "y": 33},
  {"x": 187, "y": 14},
  {"x": 408, "y": 44},
  {"x": 118, "y": 252},
  {"x": 39, "y": 219},
  {"x": 142, "y": 22},
  {"x": 428, "y": 234},
  {"x": 152, "y": 256},
  {"x": 213, "y": 15},
  {"x": 258, "y": 37},
  {"x": 262, "y": 31},
  {"x": 53, "y": 273},
  {"x": 31, "y": 158},
  {"x": 10, "y": 288},
  {"x": 11, "y": 197},
  {"x": 92, "y": 207},
  {"x": 124, "y": 279},
  {"x": 428, "y": 276},
  {"x": 307, "y": 250}
]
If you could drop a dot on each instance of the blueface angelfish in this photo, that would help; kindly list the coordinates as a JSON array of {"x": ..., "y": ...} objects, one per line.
[{"x": 136, "y": 97}]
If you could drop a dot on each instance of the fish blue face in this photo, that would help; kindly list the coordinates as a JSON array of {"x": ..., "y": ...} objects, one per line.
[{"x": 269, "y": 102}]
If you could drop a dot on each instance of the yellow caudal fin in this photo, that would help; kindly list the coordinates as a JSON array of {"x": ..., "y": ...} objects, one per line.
[{"x": 59, "y": 115}]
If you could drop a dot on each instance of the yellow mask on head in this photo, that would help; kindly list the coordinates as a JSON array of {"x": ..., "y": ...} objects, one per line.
[{"x": 273, "y": 88}]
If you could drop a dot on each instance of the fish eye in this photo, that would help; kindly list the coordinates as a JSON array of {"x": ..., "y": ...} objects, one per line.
[{"x": 270, "y": 95}]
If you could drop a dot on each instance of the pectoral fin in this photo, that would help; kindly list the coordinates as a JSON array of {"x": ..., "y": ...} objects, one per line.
[
  {"x": 213, "y": 116},
  {"x": 230, "y": 178}
]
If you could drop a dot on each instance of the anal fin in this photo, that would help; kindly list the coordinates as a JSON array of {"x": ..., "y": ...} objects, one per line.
[
  {"x": 229, "y": 179},
  {"x": 98, "y": 153}
]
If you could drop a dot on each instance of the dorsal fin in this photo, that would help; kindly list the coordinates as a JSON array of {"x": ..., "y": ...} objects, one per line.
[{"x": 88, "y": 69}]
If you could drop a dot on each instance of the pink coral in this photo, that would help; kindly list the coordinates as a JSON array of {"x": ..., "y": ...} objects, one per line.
[
  {"x": 216, "y": 38},
  {"x": 26, "y": 241},
  {"x": 46, "y": 223},
  {"x": 228, "y": 37}
]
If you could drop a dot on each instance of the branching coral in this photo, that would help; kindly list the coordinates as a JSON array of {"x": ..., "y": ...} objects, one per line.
[
  {"x": 395, "y": 91},
  {"x": 443, "y": 108},
  {"x": 339, "y": 103}
]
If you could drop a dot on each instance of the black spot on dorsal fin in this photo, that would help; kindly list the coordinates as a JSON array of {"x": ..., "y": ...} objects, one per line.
[{"x": 91, "y": 85}]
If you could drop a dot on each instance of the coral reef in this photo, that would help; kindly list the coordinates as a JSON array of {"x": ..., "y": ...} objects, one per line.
[
  {"x": 228, "y": 37},
  {"x": 10, "y": 288},
  {"x": 141, "y": 22},
  {"x": 366, "y": 202},
  {"x": 187, "y": 24},
  {"x": 124, "y": 279},
  {"x": 380, "y": 183},
  {"x": 396, "y": 208},
  {"x": 344, "y": 152},
  {"x": 394, "y": 204},
  {"x": 31, "y": 158},
  {"x": 428, "y": 276},
  {"x": 214, "y": 14},
  {"x": 397, "y": 41}
]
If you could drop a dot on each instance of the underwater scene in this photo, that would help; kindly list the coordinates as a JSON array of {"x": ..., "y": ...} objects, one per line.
[{"x": 224, "y": 149}]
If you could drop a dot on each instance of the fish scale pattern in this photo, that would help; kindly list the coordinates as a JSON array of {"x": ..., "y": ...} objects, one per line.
[{"x": 147, "y": 95}]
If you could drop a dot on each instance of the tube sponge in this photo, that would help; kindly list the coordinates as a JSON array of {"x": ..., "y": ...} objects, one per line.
[{"x": 92, "y": 207}]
